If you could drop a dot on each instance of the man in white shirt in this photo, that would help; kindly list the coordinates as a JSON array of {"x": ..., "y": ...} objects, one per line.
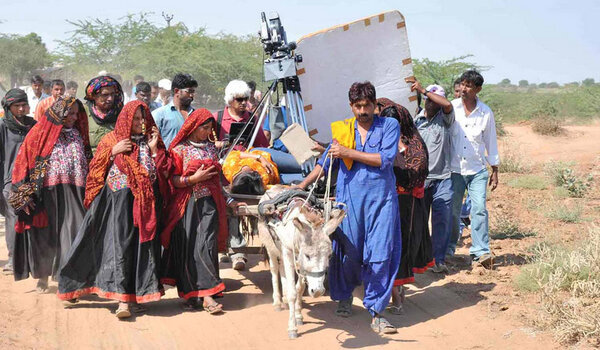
[
  {"x": 474, "y": 146},
  {"x": 35, "y": 93}
]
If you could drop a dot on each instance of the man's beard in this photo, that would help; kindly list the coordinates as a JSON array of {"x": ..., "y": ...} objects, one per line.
[{"x": 186, "y": 102}]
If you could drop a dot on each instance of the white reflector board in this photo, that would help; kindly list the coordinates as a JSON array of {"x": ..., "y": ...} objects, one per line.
[{"x": 373, "y": 48}]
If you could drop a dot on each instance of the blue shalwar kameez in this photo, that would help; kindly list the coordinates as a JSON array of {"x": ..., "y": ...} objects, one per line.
[{"x": 368, "y": 244}]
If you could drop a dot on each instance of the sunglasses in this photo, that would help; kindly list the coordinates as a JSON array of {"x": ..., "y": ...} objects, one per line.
[{"x": 242, "y": 99}]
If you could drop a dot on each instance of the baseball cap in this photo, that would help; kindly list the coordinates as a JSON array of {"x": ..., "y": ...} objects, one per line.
[
  {"x": 164, "y": 84},
  {"x": 436, "y": 89}
]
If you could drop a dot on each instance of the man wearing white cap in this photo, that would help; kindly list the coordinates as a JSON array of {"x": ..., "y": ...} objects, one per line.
[
  {"x": 164, "y": 92},
  {"x": 433, "y": 123}
]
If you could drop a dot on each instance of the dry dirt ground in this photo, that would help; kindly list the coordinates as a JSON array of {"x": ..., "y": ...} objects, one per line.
[{"x": 471, "y": 308}]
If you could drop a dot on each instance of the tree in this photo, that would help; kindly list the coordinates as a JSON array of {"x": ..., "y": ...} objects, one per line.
[
  {"x": 504, "y": 82},
  {"x": 553, "y": 85},
  {"x": 542, "y": 85},
  {"x": 588, "y": 82},
  {"x": 443, "y": 72},
  {"x": 101, "y": 43},
  {"x": 19, "y": 55},
  {"x": 134, "y": 45},
  {"x": 523, "y": 83},
  {"x": 572, "y": 84}
]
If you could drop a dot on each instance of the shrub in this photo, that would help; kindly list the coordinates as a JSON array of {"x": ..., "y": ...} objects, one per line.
[
  {"x": 562, "y": 175},
  {"x": 530, "y": 182},
  {"x": 565, "y": 214},
  {"x": 555, "y": 169},
  {"x": 506, "y": 227},
  {"x": 547, "y": 126},
  {"x": 569, "y": 283}
]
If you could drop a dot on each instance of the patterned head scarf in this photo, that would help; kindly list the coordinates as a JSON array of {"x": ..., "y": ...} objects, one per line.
[
  {"x": 92, "y": 88},
  {"x": 412, "y": 166},
  {"x": 15, "y": 96},
  {"x": 32, "y": 160},
  {"x": 138, "y": 179},
  {"x": 181, "y": 196}
]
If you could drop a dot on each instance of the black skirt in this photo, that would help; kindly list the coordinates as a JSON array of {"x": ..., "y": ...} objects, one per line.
[
  {"x": 417, "y": 254},
  {"x": 107, "y": 257},
  {"x": 191, "y": 262},
  {"x": 41, "y": 251}
]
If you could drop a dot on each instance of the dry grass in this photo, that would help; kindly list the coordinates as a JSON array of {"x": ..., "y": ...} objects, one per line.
[
  {"x": 568, "y": 280},
  {"x": 547, "y": 126},
  {"x": 512, "y": 159}
]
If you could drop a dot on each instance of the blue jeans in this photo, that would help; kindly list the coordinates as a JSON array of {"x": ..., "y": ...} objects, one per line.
[
  {"x": 289, "y": 169},
  {"x": 438, "y": 199},
  {"x": 476, "y": 186}
]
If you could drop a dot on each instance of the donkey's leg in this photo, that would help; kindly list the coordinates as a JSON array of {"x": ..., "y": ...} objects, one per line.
[
  {"x": 300, "y": 285},
  {"x": 274, "y": 267},
  {"x": 283, "y": 276},
  {"x": 290, "y": 288}
]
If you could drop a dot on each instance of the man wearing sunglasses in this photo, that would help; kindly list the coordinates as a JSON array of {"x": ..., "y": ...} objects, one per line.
[{"x": 170, "y": 118}]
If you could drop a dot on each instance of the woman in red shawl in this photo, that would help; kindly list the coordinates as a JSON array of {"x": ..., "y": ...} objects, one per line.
[
  {"x": 197, "y": 216},
  {"x": 116, "y": 253},
  {"x": 48, "y": 188},
  {"x": 411, "y": 169}
]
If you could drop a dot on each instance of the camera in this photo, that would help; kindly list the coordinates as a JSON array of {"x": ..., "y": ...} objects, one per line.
[{"x": 281, "y": 60}]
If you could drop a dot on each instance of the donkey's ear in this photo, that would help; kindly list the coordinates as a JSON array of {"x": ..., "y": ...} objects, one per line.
[
  {"x": 301, "y": 226},
  {"x": 337, "y": 215}
]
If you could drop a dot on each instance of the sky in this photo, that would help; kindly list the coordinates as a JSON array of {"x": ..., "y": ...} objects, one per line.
[{"x": 539, "y": 41}]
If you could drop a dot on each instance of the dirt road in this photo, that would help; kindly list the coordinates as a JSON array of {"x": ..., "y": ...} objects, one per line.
[
  {"x": 469, "y": 309},
  {"x": 436, "y": 317}
]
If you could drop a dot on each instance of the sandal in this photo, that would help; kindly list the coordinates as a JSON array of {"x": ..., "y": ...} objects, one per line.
[
  {"x": 42, "y": 286},
  {"x": 214, "y": 308},
  {"x": 344, "y": 308},
  {"x": 69, "y": 303},
  {"x": 123, "y": 312},
  {"x": 193, "y": 304},
  {"x": 381, "y": 325},
  {"x": 137, "y": 308},
  {"x": 396, "y": 310}
]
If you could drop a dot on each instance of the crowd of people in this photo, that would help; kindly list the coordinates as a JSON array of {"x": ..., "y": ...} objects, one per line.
[{"x": 120, "y": 196}]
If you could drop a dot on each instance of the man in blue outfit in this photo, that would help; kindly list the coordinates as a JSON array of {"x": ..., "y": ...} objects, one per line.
[{"x": 367, "y": 247}]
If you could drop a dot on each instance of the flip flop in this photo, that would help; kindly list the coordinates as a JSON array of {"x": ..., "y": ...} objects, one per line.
[
  {"x": 213, "y": 309},
  {"x": 381, "y": 325},
  {"x": 69, "y": 303},
  {"x": 344, "y": 308},
  {"x": 396, "y": 310}
]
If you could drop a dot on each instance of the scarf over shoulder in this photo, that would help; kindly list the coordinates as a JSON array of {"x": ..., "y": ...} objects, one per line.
[
  {"x": 138, "y": 179},
  {"x": 181, "y": 196},
  {"x": 32, "y": 161},
  {"x": 344, "y": 132}
]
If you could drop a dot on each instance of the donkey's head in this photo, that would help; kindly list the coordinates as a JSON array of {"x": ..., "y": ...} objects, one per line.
[{"x": 314, "y": 246}]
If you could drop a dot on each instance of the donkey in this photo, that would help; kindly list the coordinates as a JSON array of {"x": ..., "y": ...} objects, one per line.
[{"x": 297, "y": 243}]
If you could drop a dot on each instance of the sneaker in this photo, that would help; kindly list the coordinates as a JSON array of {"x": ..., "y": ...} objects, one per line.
[{"x": 440, "y": 268}]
